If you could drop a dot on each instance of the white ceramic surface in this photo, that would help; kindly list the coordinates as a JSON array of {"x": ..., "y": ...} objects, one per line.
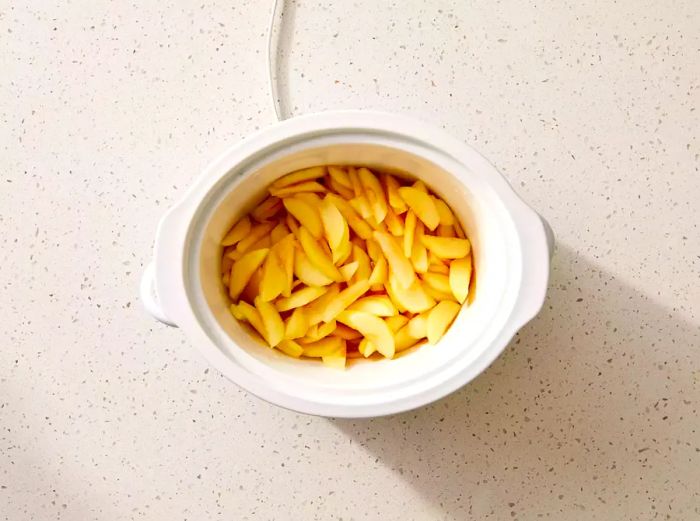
[{"x": 511, "y": 262}]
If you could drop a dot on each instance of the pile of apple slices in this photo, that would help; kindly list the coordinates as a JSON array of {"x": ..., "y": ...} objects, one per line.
[{"x": 341, "y": 263}]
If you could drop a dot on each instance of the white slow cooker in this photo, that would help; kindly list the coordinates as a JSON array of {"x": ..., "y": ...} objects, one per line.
[{"x": 511, "y": 244}]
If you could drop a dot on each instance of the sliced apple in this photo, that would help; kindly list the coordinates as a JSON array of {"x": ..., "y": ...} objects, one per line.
[
  {"x": 317, "y": 256},
  {"x": 299, "y": 298},
  {"x": 319, "y": 331},
  {"x": 251, "y": 315},
  {"x": 297, "y": 324},
  {"x": 379, "y": 272},
  {"x": 274, "y": 279},
  {"x": 440, "y": 318},
  {"x": 392, "y": 192},
  {"x": 366, "y": 348},
  {"x": 373, "y": 190},
  {"x": 446, "y": 231},
  {"x": 413, "y": 299},
  {"x": 307, "y": 272},
  {"x": 373, "y": 328},
  {"x": 345, "y": 332},
  {"x": 394, "y": 223},
  {"x": 238, "y": 232},
  {"x": 340, "y": 176},
  {"x": 279, "y": 232},
  {"x": 379, "y": 305},
  {"x": 422, "y": 205},
  {"x": 437, "y": 281},
  {"x": 307, "y": 215},
  {"x": 460, "y": 276},
  {"x": 341, "y": 190},
  {"x": 418, "y": 325},
  {"x": 447, "y": 247},
  {"x": 349, "y": 269},
  {"x": 398, "y": 263},
  {"x": 291, "y": 348},
  {"x": 272, "y": 322},
  {"x": 438, "y": 295},
  {"x": 344, "y": 299},
  {"x": 307, "y": 186},
  {"x": 252, "y": 289},
  {"x": 403, "y": 339},
  {"x": 364, "y": 268},
  {"x": 447, "y": 218},
  {"x": 419, "y": 255},
  {"x": 257, "y": 233},
  {"x": 361, "y": 205},
  {"x": 359, "y": 226},
  {"x": 286, "y": 253},
  {"x": 324, "y": 347},
  {"x": 243, "y": 269},
  {"x": 337, "y": 358},
  {"x": 373, "y": 249},
  {"x": 335, "y": 226},
  {"x": 306, "y": 174},
  {"x": 439, "y": 268},
  {"x": 409, "y": 231},
  {"x": 267, "y": 209},
  {"x": 316, "y": 309},
  {"x": 396, "y": 322}
]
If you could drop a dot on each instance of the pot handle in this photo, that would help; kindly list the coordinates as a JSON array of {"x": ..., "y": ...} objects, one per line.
[{"x": 149, "y": 297}]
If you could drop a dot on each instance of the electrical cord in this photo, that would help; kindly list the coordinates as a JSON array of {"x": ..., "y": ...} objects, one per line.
[{"x": 271, "y": 76}]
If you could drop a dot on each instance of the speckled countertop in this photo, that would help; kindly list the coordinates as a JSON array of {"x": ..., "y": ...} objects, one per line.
[{"x": 108, "y": 111}]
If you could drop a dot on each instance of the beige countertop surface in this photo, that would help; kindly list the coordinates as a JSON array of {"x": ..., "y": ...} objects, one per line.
[{"x": 109, "y": 110}]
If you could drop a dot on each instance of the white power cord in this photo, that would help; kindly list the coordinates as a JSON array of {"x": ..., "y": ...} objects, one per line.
[{"x": 271, "y": 76}]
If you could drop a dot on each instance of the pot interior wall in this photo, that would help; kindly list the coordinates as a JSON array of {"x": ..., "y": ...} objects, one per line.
[{"x": 479, "y": 218}]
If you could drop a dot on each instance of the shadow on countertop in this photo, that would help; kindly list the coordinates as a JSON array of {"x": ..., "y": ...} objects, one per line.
[{"x": 591, "y": 407}]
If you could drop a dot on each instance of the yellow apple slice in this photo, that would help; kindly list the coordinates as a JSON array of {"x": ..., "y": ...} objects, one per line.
[
  {"x": 272, "y": 322},
  {"x": 379, "y": 272},
  {"x": 316, "y": 309},
  {"x": 420, "y": 185},
  {"x": 343, "y": 191},
  {"x": 447, "y": 247},
  {"x": 422, "y": 205},
  {"x": 394, "y": 223},
  {"x": 359, "y": 226},
  {"x": 336, "y": 359},
  {"x": 447, "y": 218},
  {"x": 379, "y": 305},
  {"x": 267, "y": 209},
  {"x": 349, "y": 269},
  {"x": 340, "y": 255},
  {"x": 439, "y": 268},
  {"x": 274, "y": 279},
  {"x": 460, "y": 276},
  {"x": 440, "y": 318},
  {"x": 392, "y": 193},
  {"x": 343, "y": 331},
  {"x": 446, "y": 231},
  {"x": 364, "y": 268},
  {"x": 257, "y": 233},
  {"x": 361, "y": 205},
  {"x": 373, "y": 328},
  {"x": 396, "y": 322},
  {"x": 335, "y": 226},
  {"x": 299, "y": 298},
  {"x": 307, "y": 272},
  {"x": 419, "y": 255},
  {"x": 243, "y": 269},
  {"x": 366, "y": 348},
  {"x": 437, "y": 281},
  {"x": 404, "y": 340},
  {"x": 252, "y": 316},
  {"x": 375, "y": 194},
  {"x": 373, "y": 249},
  {"x": 458, "y": 230},
  {"x": 291, "y": 348},
  {"x": 409, "y": 231},
  {"x": 307, "y": 215},
  {"x": 438, "y": 295},
  {"x": 239, "y": 231},
  {"x": 398, "y": 263},
  {"x": 317, "y": 256},
  {"x": 252, "y": 289},
  {"x": 285, "y": 252},
  {"x": 308, "y": 186},
  {"x": 318, "y": 331},
  {"x": 413, "y": 299},
  {"x": 307, "y": 174},
  {"x": 418, "y": 325},
  {"x": 279, "y": 232},
  {"x": 344, "y": 299},
  {"x": 340, "y": 176},
  {"x": 325, "y": 346},
  {"x": 297, "y": 324}
]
